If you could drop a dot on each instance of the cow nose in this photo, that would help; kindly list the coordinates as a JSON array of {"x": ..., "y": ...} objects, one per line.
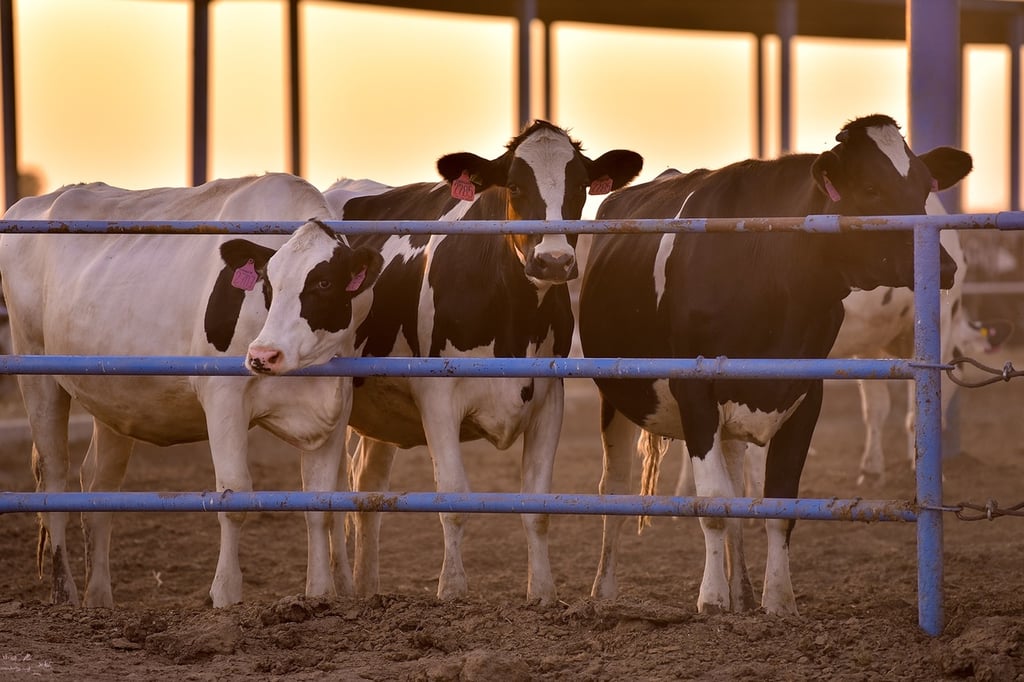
[
  {"x": 556, "y": 267},
  {"x": 264, "y": 360}
]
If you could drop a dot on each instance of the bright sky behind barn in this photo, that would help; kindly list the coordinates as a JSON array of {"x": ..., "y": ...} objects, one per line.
[{"x": 104, "y": 93}]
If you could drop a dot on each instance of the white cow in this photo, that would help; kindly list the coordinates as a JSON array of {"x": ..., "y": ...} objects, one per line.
[{"x": 170, "y": 295}]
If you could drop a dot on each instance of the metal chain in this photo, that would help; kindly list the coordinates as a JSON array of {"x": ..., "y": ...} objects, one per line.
[
  {"x": 1005, "y": 374},
  {"x": 990, "y": 510}
]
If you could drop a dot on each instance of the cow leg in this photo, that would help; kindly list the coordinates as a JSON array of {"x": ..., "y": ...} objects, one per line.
[
  {"x": 540, "y": 441},
  {"x": 48, "y": 407},
  {"x": 713, "y": 478},
  {"x": 684, "y": 485},
  {"x": 103, "y": 469},
  {"x": 786, "y": 456},
  {"x": 618, "y": 440},
  {"x": 321, "y": 469},
  {"x": 372, "y": 472},
  {"x": 874, "y": 403},
  {"x": 228, "y": 427},
  {"x": 741, "y": 592},
  {"x": 441, "y": 427}
]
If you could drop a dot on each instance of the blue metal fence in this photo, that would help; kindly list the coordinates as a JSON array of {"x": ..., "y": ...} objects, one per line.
[{"x": 924, "y": 369}]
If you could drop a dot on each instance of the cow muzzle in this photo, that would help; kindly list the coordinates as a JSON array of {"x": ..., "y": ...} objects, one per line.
[
  {"x": 556, "y": 268},
  {"x": 264, "y": 360}
]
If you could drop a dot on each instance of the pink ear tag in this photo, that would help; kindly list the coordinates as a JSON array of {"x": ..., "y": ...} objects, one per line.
[
  {"x": 935, "y": 185},
  {"x": 602, "y": 185},
  {"x": 245, "y": 277},
  {"x": 357, "y": 281},
  {"x": 463, "y": 188},
  {"x": 830, "y": 189}
]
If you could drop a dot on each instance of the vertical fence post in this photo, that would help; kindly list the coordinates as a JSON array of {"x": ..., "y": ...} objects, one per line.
[{"x": 928, "y": 435}]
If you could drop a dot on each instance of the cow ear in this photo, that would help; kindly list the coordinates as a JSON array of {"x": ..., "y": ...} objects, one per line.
[
  {"x": 827, "y": 172},
  {"x": 482, "y": 172},
  {"x": 237, "y": 252},
  {"x": 619, "y": 166},
  {"x": 948, "y": 165},
  {"x": 366, "y": 266}
]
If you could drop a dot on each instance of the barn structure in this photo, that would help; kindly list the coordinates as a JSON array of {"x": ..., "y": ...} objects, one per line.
[{"x": 936, "y": 32}]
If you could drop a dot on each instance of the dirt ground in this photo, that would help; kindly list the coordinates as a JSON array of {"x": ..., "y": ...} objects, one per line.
[{"x": 855, "y": 582}]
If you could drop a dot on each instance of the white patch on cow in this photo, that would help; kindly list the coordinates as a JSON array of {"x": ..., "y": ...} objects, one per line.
[
  {"x": 460, "y": 209},
  {"x": 689, "y": 196},
  {"x": 548, "y": 152},
  {"x": 661, "y": 266},
  {"x": 665, "y": 417},
  {"x": 738, "y": 421},
  {"x": 891, "y": 143},
  {"x": 426, "y": 307},
  {"x": 345, "y": 189},
  {"x": 400, "y": 247}
]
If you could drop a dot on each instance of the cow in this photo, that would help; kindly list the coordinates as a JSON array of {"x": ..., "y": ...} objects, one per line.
[
  {"x": 755, "y": 295},
  {"x": 473, "y": 295},
  {"x": 880, "y": 323},
  {"x": 84, "y": 294}
]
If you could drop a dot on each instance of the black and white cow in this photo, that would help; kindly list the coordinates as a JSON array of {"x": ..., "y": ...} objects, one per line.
[
  {"x": 879, "y": 323},
  {"x": 753, "y": 295},
  {"x": 468, "y": 296},
  {"x": 175, "y": 295}
]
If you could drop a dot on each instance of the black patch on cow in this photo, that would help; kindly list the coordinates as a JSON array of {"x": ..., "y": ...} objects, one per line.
[
  {"x": 225, "y": 302},
  {"x": 887, "y": 297},
  {"x": 222, "y": 310},
  {"x": 395, "y": 309},
  {"x": 527, "y": 393},
  {"x": 325, "y": 302}
]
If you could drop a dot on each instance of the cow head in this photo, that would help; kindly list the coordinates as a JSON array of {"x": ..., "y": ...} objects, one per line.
[
  {"x": 545, "y": 176},
  {"x": 319, "y": 296},
  {"x": 872, "y": 171}
]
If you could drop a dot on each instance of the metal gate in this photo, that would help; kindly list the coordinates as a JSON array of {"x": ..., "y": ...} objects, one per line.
[{"x": 924, "y": 368}]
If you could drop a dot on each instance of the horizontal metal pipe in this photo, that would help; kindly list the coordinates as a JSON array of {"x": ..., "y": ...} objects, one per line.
[
  {"x": 490, "y": 503},
  {"x": 625, "y": 368},
  {"x": 1006, "y": 220}
]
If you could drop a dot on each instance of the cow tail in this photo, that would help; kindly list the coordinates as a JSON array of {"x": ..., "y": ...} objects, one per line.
[
  {"x": 652, "y": 449},
  {"x": 44, "y": 536}
]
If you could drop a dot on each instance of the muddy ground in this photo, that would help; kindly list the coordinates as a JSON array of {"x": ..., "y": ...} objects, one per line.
[{"x": 855, "y": 582}]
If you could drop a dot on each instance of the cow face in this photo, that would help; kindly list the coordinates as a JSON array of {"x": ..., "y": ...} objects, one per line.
[
  {"x": 545, "y": 176},
  {"x": 872, "y": 171},
  {"x": 319, "y": 289}
]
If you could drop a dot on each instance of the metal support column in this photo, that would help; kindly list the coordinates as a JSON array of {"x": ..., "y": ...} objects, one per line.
[
  {"x": 1016, "y": 42},
  {"x": 527, "y": 13},
  {"x": 760, "y": 95},
  {"x": 933, "y": 41},
  {"x": 928, "y": 436},
  {"x": 200, "y": 88},
  {"x": 10, "y": 109},
  {"x": 294, "y": 88},
  {"x": 786, "y": 23}
]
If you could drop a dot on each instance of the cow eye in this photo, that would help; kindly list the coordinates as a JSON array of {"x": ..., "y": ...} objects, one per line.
[
  {"x": 323, "y": 284},
  {"x": 514, "y": 190}
]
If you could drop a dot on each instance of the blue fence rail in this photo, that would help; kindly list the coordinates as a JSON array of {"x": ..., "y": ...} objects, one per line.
[{"x": 924, "y": 369}]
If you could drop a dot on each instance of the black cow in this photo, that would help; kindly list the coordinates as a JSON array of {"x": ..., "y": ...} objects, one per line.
[
  {"x": 744, "y": 295},
  {"x": 475, "y": 296}
]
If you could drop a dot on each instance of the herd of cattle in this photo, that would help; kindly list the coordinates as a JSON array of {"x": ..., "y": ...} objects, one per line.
[{"x": 290, "y": 302}]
